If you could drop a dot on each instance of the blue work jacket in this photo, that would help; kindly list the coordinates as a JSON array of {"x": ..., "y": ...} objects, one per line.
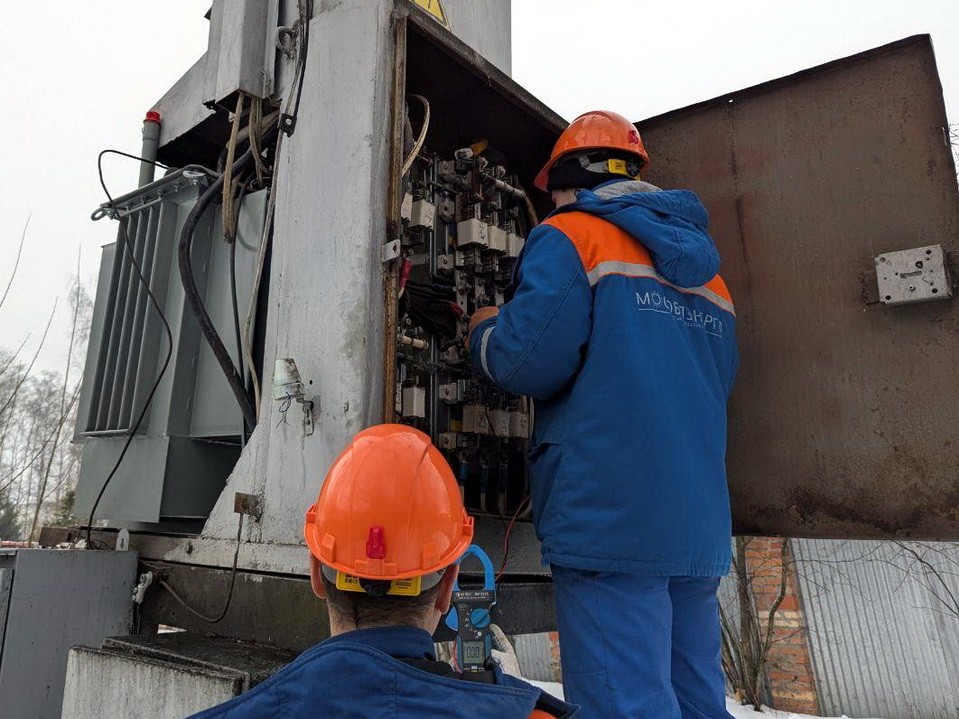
[
  {"x": 360, "y": 675},
  {"x": 622, "y": 331}
]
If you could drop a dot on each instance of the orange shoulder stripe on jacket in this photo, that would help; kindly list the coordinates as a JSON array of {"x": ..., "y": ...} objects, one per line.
[
  {"x": 599, "y": 241},
  {"x": 605, "y": 249}
]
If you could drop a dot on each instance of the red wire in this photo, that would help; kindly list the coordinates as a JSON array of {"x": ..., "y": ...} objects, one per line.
[
  {"x": 406, "y": 268},
  {"x": 509, "y": 529}
]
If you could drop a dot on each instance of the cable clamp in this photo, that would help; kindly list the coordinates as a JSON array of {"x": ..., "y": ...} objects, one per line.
[{"x": 287, "y": 124}]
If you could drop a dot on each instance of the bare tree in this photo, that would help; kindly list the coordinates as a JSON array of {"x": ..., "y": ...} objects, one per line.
[
  {"x": 66, "y": 407},
  {"x": 16, "y": 263},
  {"x": 9, "y": 519},
  {"x": 747, "y": 632},
  {"x": 38, "y": 465},
  {"x": 935, "y": 568}
]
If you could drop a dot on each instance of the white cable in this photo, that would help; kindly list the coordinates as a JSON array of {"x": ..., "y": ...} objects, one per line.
[
  {"x": 421, "y": 140},
  {"x": 229, "y": 189},
  {"x": 247, "y": 336}
]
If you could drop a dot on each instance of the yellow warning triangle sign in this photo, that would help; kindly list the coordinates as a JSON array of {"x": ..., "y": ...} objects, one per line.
[{"x": 435, "y": 8}]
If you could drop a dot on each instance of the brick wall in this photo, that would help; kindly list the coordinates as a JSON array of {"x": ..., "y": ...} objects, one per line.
[
  {"x": 789, "y": 667},
  {"x": 554, "y": 657}
]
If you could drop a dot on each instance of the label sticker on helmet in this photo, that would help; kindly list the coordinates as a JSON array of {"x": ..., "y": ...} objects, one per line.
[
  {"x": 618, "y": 167},
  {"x": 398, "y": 587}
]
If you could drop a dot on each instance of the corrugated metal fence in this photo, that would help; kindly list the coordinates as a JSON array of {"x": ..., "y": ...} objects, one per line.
[{"x": 883, "y": 619}]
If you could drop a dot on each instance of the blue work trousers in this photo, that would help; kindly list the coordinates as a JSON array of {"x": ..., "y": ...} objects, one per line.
[{"x": 640, "y": 647}]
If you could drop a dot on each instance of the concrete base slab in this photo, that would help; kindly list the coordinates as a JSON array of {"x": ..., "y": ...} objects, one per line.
[{"x": 167, "y": 676}]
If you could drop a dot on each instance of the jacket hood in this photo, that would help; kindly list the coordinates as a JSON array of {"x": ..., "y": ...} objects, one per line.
[{"x": 670, "y": 224}]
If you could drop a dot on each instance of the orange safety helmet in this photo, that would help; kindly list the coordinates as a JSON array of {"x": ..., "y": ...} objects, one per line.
[
  {"x": 389, "y": 510},
  {"x": 596, "y": 130}
]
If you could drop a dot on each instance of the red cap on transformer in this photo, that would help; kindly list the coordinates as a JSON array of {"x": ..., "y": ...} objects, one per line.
[{"x": 152, "y": 116}]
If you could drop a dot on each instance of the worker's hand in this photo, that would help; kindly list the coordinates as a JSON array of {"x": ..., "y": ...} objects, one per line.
[
  {"x": 482, "y": 314},
  {"x": 503, "y": 652}
]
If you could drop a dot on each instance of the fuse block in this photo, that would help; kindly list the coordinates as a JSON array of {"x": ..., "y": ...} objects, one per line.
[{"x": 464, "y": 221}]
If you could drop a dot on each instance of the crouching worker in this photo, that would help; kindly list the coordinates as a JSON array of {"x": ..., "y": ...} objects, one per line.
[{"x": 384, "y": 538}]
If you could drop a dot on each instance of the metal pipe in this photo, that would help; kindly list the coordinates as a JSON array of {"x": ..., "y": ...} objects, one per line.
[{"x": 148, "y": 151}]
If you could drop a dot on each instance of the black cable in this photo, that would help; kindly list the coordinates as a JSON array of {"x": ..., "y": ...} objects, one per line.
[
  {"x": 236, "y": 308},
  {"x": 133, "y": 157},
  {"x": 288, "y": 121},
  {"x": 229, "y": 595},
  {"x": 196, "y": 302},
  {"x": 233, "y": 291},
  {"x": 305, "y": 50},
  {"x": 166, "y": 326}
]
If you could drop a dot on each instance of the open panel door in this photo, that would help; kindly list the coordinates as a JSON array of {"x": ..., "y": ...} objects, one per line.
[{"x": 845, "y": 418}]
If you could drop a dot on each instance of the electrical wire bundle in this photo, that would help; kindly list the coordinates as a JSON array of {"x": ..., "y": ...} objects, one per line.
[{"x": 231, "y": 184}]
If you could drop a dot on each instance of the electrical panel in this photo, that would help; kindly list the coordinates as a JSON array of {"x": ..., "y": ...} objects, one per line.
[{"x": 465, "y": 219}]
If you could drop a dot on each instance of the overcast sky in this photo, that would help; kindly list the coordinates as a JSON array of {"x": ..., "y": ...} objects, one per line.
[{"x": 78, "y": 77}]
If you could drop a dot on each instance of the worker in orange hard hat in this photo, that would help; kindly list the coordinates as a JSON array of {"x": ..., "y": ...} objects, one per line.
[
  {"x": 597, "y": 147},
  {"x": 384, "y": 539},
  {"x": 625, "y": 335}
]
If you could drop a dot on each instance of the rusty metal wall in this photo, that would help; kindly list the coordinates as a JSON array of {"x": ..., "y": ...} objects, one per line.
[{"x": 843, "y": 422}]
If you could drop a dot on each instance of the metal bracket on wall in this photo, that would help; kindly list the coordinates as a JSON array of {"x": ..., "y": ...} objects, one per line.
[
  {"x": 248, "y": 504},
  {"x": 307, "y": 418},
  {"x": 390, "y": 251},
  {"x": 916, "y": 275}
]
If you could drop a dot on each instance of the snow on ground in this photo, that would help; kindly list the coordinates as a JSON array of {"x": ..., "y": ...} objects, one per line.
[
  {"x": 747, "y": 712},
  {"x": 549, "y": 687},
  {"x": 737, "y": 710}
]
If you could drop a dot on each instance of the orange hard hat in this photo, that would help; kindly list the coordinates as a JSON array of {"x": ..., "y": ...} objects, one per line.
[
  {"x": 390, "y": 508},
  {"x": 596, "y": 130}
]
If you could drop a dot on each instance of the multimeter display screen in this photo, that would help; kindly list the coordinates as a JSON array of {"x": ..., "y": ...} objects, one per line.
[{"x": 473, "y": 653}]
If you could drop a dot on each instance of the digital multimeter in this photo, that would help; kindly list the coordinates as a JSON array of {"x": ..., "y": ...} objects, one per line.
[{"x": 470, "y": 617}]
